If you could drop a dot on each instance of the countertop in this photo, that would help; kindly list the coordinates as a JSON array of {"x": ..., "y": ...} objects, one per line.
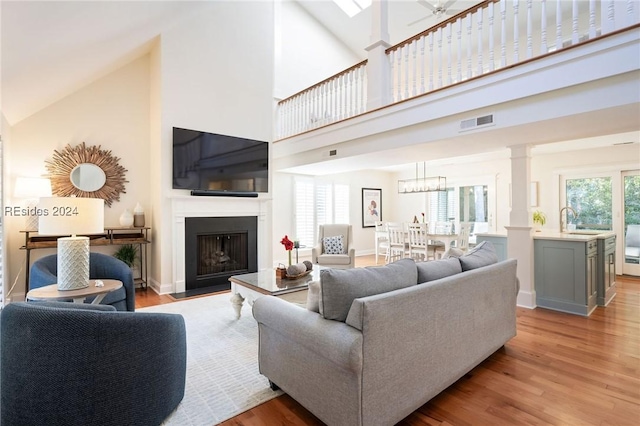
[{"x": 567, "y": 236}]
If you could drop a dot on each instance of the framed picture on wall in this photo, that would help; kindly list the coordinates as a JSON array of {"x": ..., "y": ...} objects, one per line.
[{"x": 371, "y": 206}]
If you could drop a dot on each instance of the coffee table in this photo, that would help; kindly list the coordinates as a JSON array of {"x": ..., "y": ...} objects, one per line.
[
  {"x": 264, "y": 283},
  {"x": 51, "y": 292}
]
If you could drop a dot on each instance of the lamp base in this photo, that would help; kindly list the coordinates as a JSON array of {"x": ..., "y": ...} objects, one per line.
[{"x": 73, "y": 263}]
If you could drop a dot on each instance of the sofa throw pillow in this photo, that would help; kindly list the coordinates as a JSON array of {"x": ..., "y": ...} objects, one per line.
[
  {"x": 333, "y": 245},
  {"x": 452, "y": 252},
  {"x": 339, "y": 287},
  {"x": 313, "y": 296},
  {"x": 481, "y": 255},
  {"x": 434, "y": 270}
]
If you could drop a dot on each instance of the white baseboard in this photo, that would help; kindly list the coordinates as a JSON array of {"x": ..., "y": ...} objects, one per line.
[{"x": 526, "y": 299}]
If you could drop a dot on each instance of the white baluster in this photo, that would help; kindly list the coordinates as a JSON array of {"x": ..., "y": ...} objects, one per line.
[
  {"x": 469, "y": 45},
  {"x": 529, "y": 29},
  {"x": 393, "y": 71},
  {"x": 345, "y": 93},
  {"x": 334, "y": 100},
  {"x": 503, "y": 33},
  {"x": 349, "y": 101},
  {"x": 492, "y": 59},
  {"x": 575, "y": 36},
  {"x": 431, "y": 61},
  {"x": 630, "y": 12},
  {"x": 611, "y": 23},
  {"x": 440, "y": 57},
  {"x": 544, "y": 48},
  {"x": 406, "y": 71},
  {"x": 399, "y": 72},
  {"x": 450, "y": 55},
  {"x": 516, "y": 32},
  {"x": 341, "y": 97},
  {"x": 459, "y": 32},
  {"x": 422, "y": 40},
  {"x": 414, "y": 77},
  {"x": 480, "y": 70},
  {"x": 559, "y": 26},
  {"x": 592, "y": 19}
]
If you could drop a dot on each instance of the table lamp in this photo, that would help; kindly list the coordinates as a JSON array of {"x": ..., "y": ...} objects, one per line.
[
  {"x": 31, "y": 188},
  {"x": 72, "y": 216}
]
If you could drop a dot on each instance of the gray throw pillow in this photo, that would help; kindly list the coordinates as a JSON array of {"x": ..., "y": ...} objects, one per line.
[
  {"x": 452, "y": 252},
  {"x": 339, "y": 287},
  {"x": 313, "y": 296},
  {"x": 482, "y": 255},
  {"x": 436, "y": 269}
]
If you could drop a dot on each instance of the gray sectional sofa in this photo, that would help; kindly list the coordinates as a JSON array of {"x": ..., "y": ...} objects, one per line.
[{"x": 376, "y": 343}]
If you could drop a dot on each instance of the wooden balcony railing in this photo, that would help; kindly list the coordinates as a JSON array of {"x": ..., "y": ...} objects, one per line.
[{"x": 486, "y": 38}]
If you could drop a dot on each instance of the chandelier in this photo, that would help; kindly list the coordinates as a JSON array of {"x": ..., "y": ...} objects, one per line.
[{"x": 422, "y": 184}]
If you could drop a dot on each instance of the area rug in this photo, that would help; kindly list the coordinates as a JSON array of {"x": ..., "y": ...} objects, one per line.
[{"x": 222, "y": 361}]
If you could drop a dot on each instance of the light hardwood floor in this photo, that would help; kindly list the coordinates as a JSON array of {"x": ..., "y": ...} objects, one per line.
[{"x": 560, "y": 369}]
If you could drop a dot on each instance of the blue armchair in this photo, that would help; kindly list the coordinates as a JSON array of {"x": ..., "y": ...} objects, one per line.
[
  {"x": 80, "y": 364},
  {"x": 101, "y": 266}
]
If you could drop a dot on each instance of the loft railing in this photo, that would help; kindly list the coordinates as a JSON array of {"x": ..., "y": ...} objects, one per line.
[
  {"x": 486, "y": 38},
  {"x": 338, "y": 97}
]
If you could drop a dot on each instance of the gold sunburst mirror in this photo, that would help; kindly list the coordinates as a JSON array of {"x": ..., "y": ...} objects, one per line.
[{"x": 88, "y": 172}]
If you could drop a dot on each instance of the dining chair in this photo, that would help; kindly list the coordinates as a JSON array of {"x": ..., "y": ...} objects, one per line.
[
  {"x": 397, "y": 241},
  {"x": 417, "y": 239},
  {"x": 462, "y": 243},
  {"x": 381, "y": 242}
]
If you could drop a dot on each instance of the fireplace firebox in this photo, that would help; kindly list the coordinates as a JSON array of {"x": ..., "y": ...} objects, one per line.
[{"x": 217, "y": 248}]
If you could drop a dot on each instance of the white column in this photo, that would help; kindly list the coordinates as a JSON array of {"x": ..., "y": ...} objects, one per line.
[
  {"x": 378, "y": 68},
  {"x": 519, "y": 240}
]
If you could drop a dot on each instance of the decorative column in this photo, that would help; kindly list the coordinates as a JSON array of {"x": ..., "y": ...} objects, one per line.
[
  {"x": 378, "y": 69},
  {"x": 519, "y": 238}
]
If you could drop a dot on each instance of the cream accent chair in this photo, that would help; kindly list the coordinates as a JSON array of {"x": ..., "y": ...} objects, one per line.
[{"x": 336, "y": 261}]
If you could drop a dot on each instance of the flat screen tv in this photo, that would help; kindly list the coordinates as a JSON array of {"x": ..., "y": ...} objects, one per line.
[{"x": 205, "y": 161}]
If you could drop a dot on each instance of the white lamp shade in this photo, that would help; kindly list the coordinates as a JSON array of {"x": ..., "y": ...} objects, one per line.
[{"x": 71, "y": 216}]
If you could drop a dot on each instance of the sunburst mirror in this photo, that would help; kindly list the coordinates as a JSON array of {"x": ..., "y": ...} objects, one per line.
[{"x": 88, "y": 172}]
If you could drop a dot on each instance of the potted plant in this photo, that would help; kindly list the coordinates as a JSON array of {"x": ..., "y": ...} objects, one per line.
[
  {"x": 127, "y": 253},
  {"x": 539, "y": 219}
]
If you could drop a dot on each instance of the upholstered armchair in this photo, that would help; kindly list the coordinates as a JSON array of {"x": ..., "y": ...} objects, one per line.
[
  {"x": 101, "y": 266},
  {"x": 80, "y": 364},
  {"x": 334, "y": 248}
]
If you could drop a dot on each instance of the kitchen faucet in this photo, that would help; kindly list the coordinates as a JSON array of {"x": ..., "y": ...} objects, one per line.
[{"x": 575, "y": 215}]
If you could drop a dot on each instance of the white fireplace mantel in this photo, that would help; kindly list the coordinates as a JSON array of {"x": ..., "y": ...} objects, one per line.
[{"x": 183, "y": 206}]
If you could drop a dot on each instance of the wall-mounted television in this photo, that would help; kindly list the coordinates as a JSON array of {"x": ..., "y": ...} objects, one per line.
[{"x": 205, "y": 161}]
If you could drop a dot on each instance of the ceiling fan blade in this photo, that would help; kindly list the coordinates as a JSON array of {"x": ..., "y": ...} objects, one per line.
[
  {"x": 419, "y": 20},
  {"x": 427, "y": 5},
  {"x": 447, "y": 4}
]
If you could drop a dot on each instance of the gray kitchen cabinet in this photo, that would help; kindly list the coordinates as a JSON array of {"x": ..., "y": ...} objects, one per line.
[
  {"x": 606, "y": 269},
  {"x": 566, "y": 275}
]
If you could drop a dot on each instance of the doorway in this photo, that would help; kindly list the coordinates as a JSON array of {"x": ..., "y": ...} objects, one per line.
[{"x": 631, "y": 222}]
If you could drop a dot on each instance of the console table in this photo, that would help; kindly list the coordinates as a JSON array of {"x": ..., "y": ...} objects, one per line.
[{"x": 112, "y": 235}]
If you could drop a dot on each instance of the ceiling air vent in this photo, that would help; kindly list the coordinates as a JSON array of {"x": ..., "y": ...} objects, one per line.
[{"x": 474, "y": 123}]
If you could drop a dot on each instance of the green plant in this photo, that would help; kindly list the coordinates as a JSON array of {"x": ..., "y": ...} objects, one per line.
[
  {"x": 539, "y": 218},
  {"x": 127, "y": 253}
]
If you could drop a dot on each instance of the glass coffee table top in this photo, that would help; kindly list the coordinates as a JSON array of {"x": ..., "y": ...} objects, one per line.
[{"x": 266, "y": 282}]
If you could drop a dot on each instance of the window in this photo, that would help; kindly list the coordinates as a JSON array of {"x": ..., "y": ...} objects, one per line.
[
  {"x": 591, "y": 198},
  {"x": 318, "y": 203},
  {"x": 441, "y": 206},
  {"x": 473, "y": 203}
]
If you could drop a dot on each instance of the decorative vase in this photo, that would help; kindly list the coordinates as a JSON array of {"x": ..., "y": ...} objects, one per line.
[
  {"x": 138, "y": 216},
  {"x": 126, "y": 218}
]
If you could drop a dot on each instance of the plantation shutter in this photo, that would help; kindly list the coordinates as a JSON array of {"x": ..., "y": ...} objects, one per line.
[{"x": 304, "y": 212}]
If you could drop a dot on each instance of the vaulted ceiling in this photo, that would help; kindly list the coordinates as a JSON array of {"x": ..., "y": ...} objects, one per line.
[{"x": 50, "y": 49}]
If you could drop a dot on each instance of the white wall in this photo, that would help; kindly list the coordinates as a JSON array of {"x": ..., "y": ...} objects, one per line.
[
  {"x": 305, "y": 52},
  {"x": 112, "y": 112}
]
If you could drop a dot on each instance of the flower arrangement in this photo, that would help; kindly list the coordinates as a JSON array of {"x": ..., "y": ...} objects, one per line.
[{"x": 288, "y": 246}]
